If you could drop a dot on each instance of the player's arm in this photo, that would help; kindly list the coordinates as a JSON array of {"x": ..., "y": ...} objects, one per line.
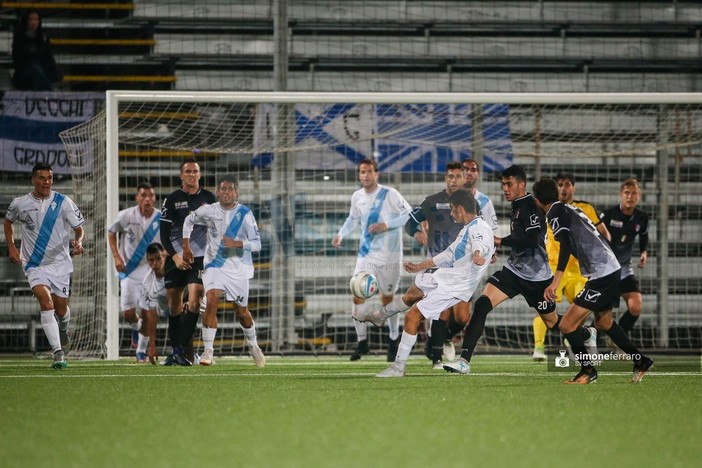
[
  {"x": 119, "y": 261},
  {"x": 188, "y": 225},
  {"x": 415, "y": 267},
  {"x": 252, "y": 242},
  {"x": 604, "y": 232},
  {"x": 165, "y": 226},
  {"x": 77, "y": 243},
  {"x": 395, "y": 221},
  {"x": 149, "y": 315},
  {"x": 399, "y": 216},
  {"x": 601, "y": 227},
  {"x": 347, "y": 228},
  {"x": 12, "y": 250},
  {"x": 643, "y": 244},
  {"x": 415, "y": 226},
  {"x": 489, "y": 215},
  {"x": 521, "y": 238}
]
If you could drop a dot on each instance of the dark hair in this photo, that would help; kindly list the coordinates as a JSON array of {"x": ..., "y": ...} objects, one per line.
[
  {"x": 515, "y": 171},
  {"x": 188, "y": 161},
  {"x": 22, "y": 23},
  {"x": 465, "y": 199},
  {"x": 231, "y": 179},
  {"x": 370, "y": 162},
  {"x": 471, "y": 160},
  {"x": 563, "y": 175},
  {"x": 545, "y": 190},
  {"x": 154, "y": 248},
  {"x": 453, "y": 165},
  {"x": 42, "y": 166},
  {"x": 144, "y": 185}
]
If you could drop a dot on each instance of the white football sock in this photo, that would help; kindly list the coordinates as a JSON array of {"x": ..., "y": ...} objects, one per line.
[
  {"x": 361, "y": 327},
  {"x": 361, "y": 330},
  {"x": 143, "y": 343},
  {"x": 396, "y": 306},
  {"x": 51, "y": 329},
  {"x": 394, "y": 327},
  {"x": 208, "y": 336},
  {"x": 250, "y": 334},
  {"x": 65, "y": 320},
  {"x": 404, "y": 349}
]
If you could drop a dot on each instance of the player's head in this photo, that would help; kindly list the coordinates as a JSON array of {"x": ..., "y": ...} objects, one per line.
[
  {"x": 42, "y": 179},
  {"x": 190, "y": 173},
  {"x": 145, "y": 197},
  {"x": 566, "y": 186},
  {"x": 368, "y": 174},
  {"x": 472, "y": 173},
  {"x": 630, "y": 192},
  {"x": 156, "y": 258},
  {"x": 228, "y": 191},
  {"x": 545, "y": 191},
  {"x": 464, "y": 206},
  {"x": 513, "y": 182},
  {"x": 454, "y": 176}
]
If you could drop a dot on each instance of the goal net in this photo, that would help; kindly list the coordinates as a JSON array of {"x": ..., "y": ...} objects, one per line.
[{"x": 295, "y": 156}]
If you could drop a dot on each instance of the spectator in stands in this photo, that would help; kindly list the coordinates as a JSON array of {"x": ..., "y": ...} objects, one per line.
[
  {"x": 180, "y": 274},
  {"x": 232, "y": 234},
  {"x": 578, "y": 237},
  {"x": 47, "y": 218},
  {"x": 35, "y": 67},
  {"x": 572, "y": 282},
  {"x": 138, "y": 227},
  {"x": 382, "y": 212},
  {"x": 625, "y": 221}
]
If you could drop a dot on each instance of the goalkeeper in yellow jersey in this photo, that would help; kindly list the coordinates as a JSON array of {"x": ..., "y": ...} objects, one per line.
[{"x": 572, "y": 282}]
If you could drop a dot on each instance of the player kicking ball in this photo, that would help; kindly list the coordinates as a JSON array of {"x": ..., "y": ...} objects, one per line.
[{"x": 448, "y": 278}]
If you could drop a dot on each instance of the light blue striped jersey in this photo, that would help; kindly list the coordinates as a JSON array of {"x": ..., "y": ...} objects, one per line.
[
  {"x": 242, "y": 226},
  {"x": 133, "y": 226},
  {"x": 47, "y": 230}
]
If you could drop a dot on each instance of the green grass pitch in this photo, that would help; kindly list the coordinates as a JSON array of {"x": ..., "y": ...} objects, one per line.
[{"x": 307, "y": 412}]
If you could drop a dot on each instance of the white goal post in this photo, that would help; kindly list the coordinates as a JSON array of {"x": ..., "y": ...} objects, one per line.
[{"x": 295, "y": 156}]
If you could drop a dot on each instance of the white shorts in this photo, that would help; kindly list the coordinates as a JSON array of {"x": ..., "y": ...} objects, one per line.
[
  {"x": 58, "y": 285},
  {"x": 237, "y": 289},
  {"x": 387, "y": 274},
  {"x": 435, "y": 300},
  {"x": 129, "y": 290}
]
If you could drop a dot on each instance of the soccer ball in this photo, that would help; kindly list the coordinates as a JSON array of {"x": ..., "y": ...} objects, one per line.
[{"x": 363, "y": 285}]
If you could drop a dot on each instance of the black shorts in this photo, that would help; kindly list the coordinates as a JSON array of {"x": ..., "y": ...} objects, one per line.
[
  {"x": 629, "y": 284},
  {"x": 600, "y": 294},
  {"x": 533, "y": 291},
  {"x": 175, "y": 278}
]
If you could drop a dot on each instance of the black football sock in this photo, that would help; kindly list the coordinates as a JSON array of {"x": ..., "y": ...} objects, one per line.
[
  {"x": 622, "y": 340},
  {"x": 627, "y": 321},
  {"x": 188, "y": 326},
  {"x": 453, "y": 327},
  {"x": 577, "y": 344},
  {"x": 438, "y": 336},
  {"x": 174, "y": 330},
  {"x": 475, "y": 327}
]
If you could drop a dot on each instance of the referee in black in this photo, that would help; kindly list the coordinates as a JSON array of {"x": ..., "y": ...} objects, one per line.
[{"x": 182, "y": 320}]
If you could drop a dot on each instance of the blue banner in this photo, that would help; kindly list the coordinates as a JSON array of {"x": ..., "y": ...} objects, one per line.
[{"x": 31, "y": 121}]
